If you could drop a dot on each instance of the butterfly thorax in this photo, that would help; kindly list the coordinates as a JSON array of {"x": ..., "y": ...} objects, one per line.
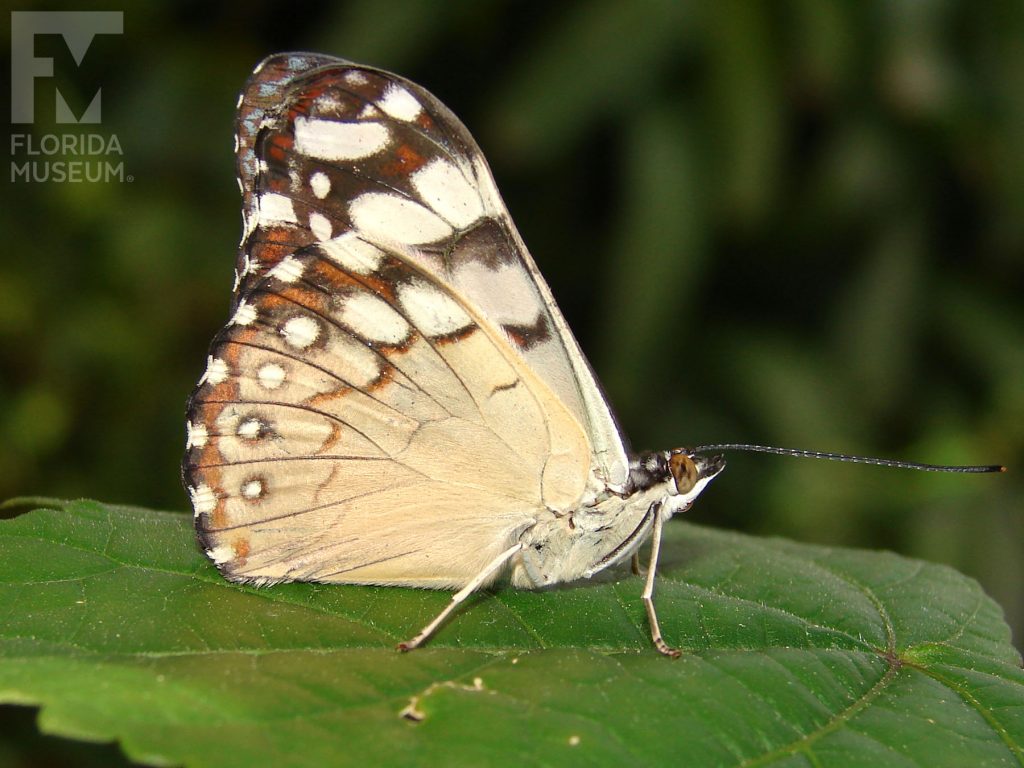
[{"x": 598, "y": 535}]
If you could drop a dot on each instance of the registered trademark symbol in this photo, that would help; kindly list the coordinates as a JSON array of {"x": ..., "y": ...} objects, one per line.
[{"x": 130, "y": 178}]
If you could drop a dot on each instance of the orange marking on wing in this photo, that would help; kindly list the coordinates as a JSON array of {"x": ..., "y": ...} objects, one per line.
[
  {"x": 278, "y": 307},
  {"x": 218, "y": 518},
  {"x": 273, "y": 182},
  {"x": 301, "y": 295},
  {"x": 203, "y": 474},
  {"x": 291, "y": 237},
  {"x": 278, "y": 146},
  {"x": 272, "y": 234},
  {"x": 337, "y": 278},
  {"x": 231, "y": 354},
  {"x": 226, "y": 390},
  {"x": 274, "y": 243},
  {"x": 327, "y": 483},
  {"x": 244, "y": 334},
  {"x": 241, "y": 550},
  {"x": 339, "y": 101},
  {"x": 527, "y": 336},
  {"x": 379, "y": 287},
  {"x": 271, "y": 302},
  {"x": 425, "y": 121},
  {"x": 327, "y": 397},
  {"x": 386, "y": 376},
  {"x": 455, "y": 336},
  {"x": 210, "y": 453},
  {"x": 517, "y": 338},
  {"x": 302, "y": 107},
  {"x": 332, "y": 438},
  {"x": 406, "y": 161}
]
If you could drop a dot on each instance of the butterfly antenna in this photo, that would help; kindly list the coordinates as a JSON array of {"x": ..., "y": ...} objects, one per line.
[{"x": 846, "y": 457}]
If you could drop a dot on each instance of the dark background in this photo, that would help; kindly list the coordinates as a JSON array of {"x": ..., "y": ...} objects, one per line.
[{"x": 799, "y": 223}]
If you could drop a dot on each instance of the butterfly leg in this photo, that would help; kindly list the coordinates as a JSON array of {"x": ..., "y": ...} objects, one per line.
[
  {"x": 459, "y": 596},
  {"x": 634, "y": 565},
  {"x": 648, "y": 593}
]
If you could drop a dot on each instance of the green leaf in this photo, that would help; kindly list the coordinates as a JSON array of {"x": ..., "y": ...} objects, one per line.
[{"x": 118, "y": 628}]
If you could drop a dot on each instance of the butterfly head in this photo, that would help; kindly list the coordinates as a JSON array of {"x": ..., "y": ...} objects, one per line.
[
  {"x": 681, "y": 474},
  {"x": 691, "y": 471}
]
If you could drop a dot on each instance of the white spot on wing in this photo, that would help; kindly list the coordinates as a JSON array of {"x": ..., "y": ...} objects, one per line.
[
  {"x": 271, "y": 376},
  {"x": 506, "y": 295},
  {"x": 249, "y": 221},
  {"x": 399, "y": 103},
  {"x": 250, "y": 429},
  {"x": 328, "y": 102},
  {"x": 275, "y": 207},
  {"x": 249, "y": 265},
  {"x": 252, "y": 489},
  {"x": 221, "y": 554},
  {"x": 333, "y": 140},
  {"x": 355, "y": 77},
  {"x": 216, "y": 371},
  {"x": 445, "y": 189},
  {"x": 196, "y": 435},
  {"x": 244, "y": 315},
  {"x": 320, "y": 184},
  {"x": 371, "y": 318},
  {"x": 320, "y": 225},
  {"x": 353, "y": 253},
  {"x": 395, "y": 218},
  {"x": 434, "y": 313},
  {"x": 288, "y": 270},
  {"x": 300, "y": 331},
  {"x": 204, "y": 500}
]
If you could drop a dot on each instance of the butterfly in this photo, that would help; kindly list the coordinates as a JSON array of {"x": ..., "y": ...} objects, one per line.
[{"x": 396, "y": 398}]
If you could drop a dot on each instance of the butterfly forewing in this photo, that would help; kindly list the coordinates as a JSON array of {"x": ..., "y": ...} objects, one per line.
[
  {"x": 343, "y": 145},
  {"x": 354, "y": 148},
  {"x": 259, "y": 101},
  {"x": 395, "y": 369}
]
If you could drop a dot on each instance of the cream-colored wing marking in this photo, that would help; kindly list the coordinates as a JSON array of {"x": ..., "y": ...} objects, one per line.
[
  {"x": 356, "y": 419},
  {"x": 330, "y": 150}
]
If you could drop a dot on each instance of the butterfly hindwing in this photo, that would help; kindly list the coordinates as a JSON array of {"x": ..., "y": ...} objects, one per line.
[{"x": 344, "y": 413}]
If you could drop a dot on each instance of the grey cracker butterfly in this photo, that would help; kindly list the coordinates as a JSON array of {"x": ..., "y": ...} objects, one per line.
[{"x": 396, "y": 399}]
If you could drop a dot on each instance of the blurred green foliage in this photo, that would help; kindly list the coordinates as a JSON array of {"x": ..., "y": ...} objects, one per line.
[{"x": 798, "y": 223}]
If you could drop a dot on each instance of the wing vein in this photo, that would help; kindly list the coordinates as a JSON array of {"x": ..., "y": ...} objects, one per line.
[
  {"x": 301, "y": 407},
  {"x": 342, "y": 329},
  {"x": 325, "y": 371}
]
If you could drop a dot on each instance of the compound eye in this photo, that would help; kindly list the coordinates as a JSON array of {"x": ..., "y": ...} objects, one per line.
[{"x": 684, "y": 472}]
